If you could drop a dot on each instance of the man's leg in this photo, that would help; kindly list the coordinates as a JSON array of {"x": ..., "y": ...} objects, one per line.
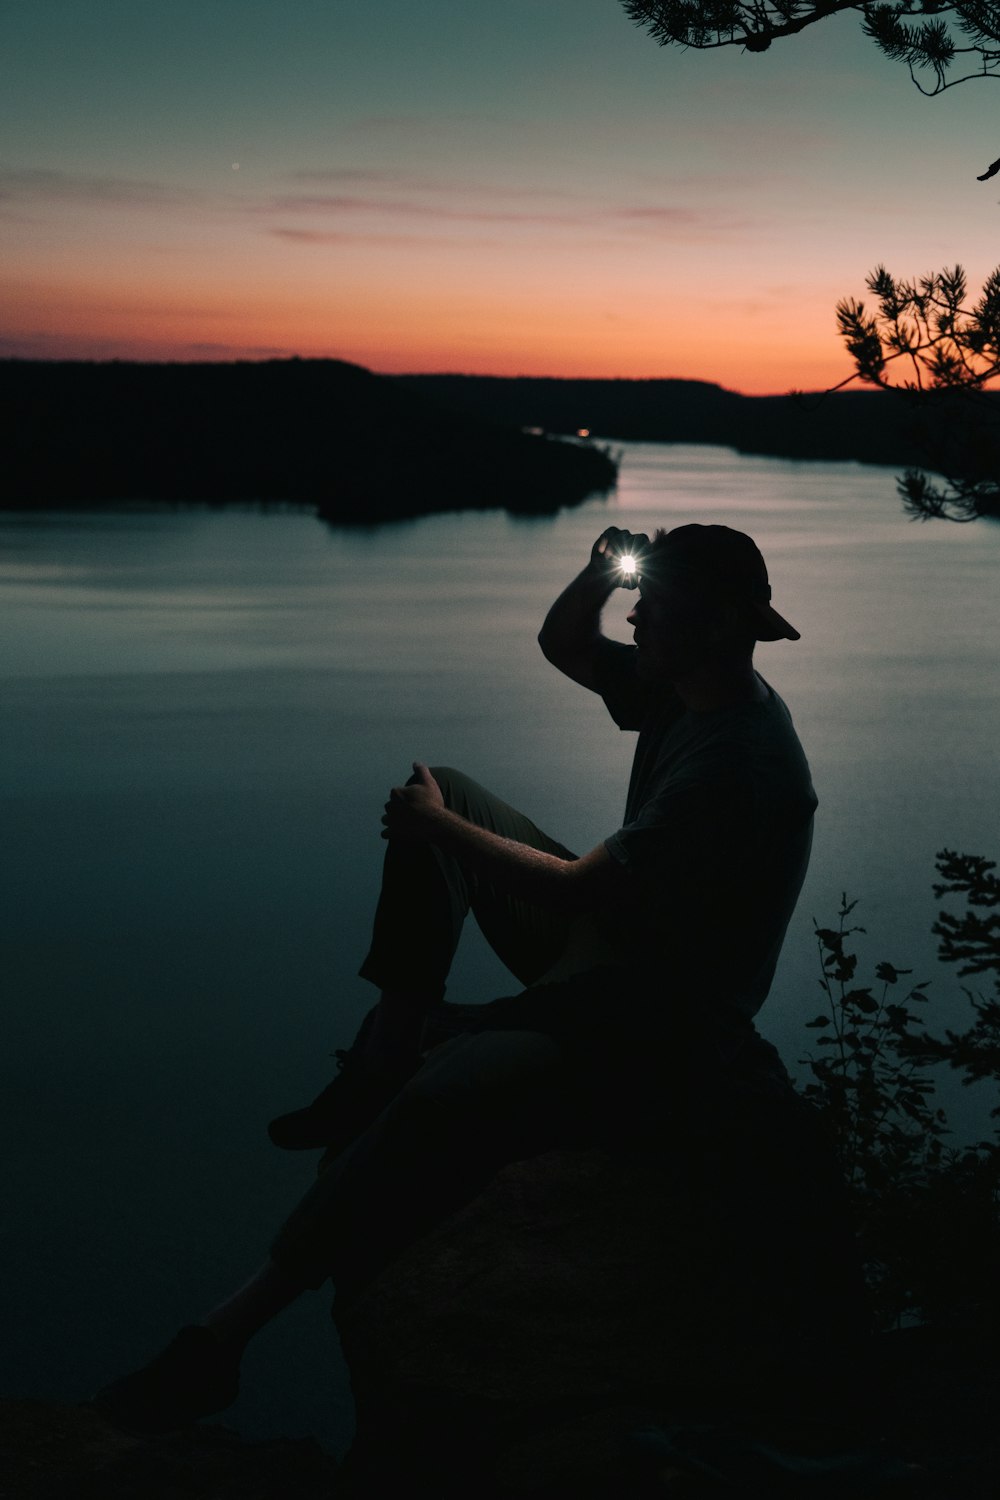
[
  {"x": 426, "y": 896},
  {"x": 476, "y": 1104},
  {"x": 424, "y": 901}
]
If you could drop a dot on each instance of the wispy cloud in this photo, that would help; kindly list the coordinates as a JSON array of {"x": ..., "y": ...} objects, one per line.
[
  {"x": 416, "y": 208},
  {"x": 236, "y": 351},
  {"x": 378, "y": 207},
  {"x": 43, "y": 344},
  {"x": 467, "y": 205},
  {"x": 660, "y": 214},
  {"x": 41, "y": 185},
  {"x": 642, "y": 207},
  {"x": 347, "y": 174},
  {"x": 410, "y": 125},
  {"x": 395, "y": 241},
  {"x": 377, "y": 179}
]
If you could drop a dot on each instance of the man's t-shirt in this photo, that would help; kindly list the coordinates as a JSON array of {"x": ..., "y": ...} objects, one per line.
[{"x": 717, "y": 832}]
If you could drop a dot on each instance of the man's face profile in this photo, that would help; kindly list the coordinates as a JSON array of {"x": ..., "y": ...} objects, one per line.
[
  {"x": 664, "y": 630},
  {"x": 675, "y": 622}
]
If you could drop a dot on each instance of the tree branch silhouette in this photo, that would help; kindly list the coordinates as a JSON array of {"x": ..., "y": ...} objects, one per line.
[
  {"x": 926, "y": 36},
  {"x": 925, "y": 343}
]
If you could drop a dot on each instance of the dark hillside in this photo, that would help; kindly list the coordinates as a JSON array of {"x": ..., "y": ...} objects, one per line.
[
  {"x": 670, "y": 411},
  {"x": 358, "y": 446},
  {"x": 866, "y": 426}
]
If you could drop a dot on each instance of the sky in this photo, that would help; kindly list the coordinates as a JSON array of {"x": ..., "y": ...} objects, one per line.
[{"x": 528, "y": 187}]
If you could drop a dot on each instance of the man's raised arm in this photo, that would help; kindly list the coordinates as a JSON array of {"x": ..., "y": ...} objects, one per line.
[{"x": 571, "y": 636}]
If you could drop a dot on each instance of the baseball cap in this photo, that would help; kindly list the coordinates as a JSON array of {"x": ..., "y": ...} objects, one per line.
[{"x": 731, "y": 560}]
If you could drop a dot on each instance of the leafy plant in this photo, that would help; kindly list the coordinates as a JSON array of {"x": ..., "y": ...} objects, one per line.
[
  {"x": 872, "y": 1092},
  {"x": 928, "y": 1213},
  {"x": 973, "y": 942}
]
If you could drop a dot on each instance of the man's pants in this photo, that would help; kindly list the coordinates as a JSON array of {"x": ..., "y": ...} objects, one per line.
[
  {"x": 478, "y": 1101},
  {"x": 427, "y": 895}
]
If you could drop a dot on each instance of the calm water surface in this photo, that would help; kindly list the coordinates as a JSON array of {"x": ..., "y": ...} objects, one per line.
[{"x": 202, "y": 713}]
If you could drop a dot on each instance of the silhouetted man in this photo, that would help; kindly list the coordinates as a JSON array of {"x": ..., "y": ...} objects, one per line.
[{"x": 642, "y": 962}]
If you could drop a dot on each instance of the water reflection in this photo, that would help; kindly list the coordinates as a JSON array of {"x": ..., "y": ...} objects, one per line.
[{"x": 202, "y": 712}]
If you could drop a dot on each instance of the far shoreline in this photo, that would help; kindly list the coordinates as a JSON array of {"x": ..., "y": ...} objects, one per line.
[{"x": 363, "y": 448}]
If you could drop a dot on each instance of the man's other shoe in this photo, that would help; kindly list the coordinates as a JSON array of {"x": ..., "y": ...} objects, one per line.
[{"x": 346, "y": 1107}]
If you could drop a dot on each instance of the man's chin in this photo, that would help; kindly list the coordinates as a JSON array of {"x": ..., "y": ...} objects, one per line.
[{"x": 652, "y": 668}]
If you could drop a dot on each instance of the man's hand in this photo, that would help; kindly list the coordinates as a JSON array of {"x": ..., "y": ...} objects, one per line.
[
  {"x": 411, "y": 810},
  {"x": 611, "y": 547},
  {"x": 571, "y": 637},
  {"x": 594, "y": 882}
]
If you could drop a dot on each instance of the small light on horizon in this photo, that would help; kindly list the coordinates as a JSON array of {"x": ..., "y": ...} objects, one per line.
[{"x": 583, "y": 432}]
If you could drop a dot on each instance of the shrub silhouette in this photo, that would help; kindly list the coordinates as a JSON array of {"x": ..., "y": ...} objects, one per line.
[{"x": 928, "y": 1212}]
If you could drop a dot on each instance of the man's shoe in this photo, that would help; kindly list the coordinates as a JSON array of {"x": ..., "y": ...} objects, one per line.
[
  {"x": 195, "y": 1376},
  {"x": 348, "y": 1105}
]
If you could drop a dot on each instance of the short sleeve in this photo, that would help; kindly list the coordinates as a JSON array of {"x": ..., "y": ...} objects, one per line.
[{"x": 626, "y": 697}]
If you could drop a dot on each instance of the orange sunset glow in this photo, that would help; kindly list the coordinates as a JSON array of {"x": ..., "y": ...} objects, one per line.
[
  {"x": 600, "y": 209},
  {"x": 410, "y": 332}
]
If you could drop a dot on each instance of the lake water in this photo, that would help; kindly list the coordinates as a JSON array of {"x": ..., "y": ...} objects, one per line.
[{"x": 202, "y": 713}]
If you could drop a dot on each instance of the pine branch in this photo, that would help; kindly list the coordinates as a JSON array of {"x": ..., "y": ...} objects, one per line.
[{"x": 924, "y": 35}]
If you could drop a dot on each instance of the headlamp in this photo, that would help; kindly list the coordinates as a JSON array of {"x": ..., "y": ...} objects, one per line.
[{"x": 628, "y": 567}]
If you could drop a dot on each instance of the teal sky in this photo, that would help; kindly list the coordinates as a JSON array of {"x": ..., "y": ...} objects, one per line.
[{"x": 530, "y": 186}]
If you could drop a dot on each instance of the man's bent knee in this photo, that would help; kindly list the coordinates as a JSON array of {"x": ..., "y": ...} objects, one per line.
[
  {"x": 458, "y": 790},
  {"x": 448, "y": 778}
]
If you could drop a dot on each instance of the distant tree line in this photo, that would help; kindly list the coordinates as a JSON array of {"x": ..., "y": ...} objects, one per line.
[
  {"x": 864, "y": 426},
  {"x": 357, "y": 446}
]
